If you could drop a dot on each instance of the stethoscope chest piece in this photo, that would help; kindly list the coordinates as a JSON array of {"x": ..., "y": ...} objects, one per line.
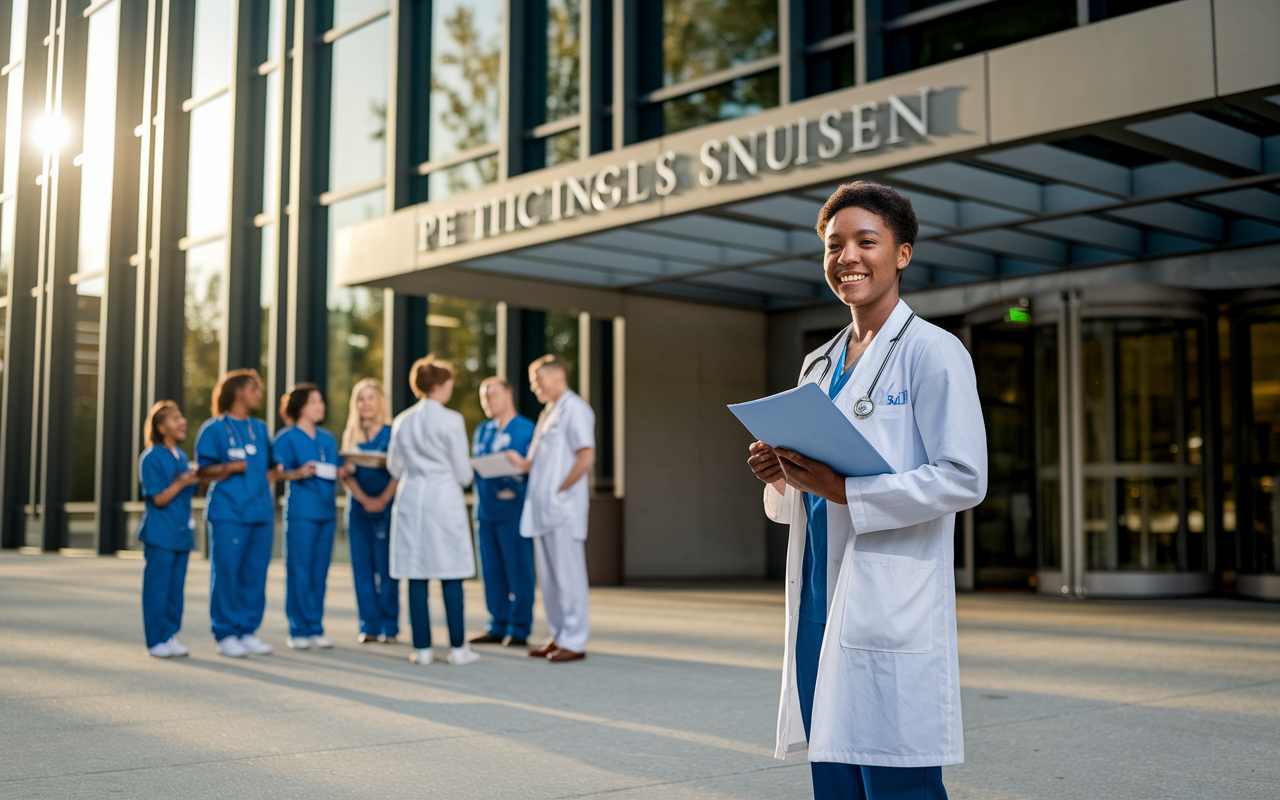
[{"x": 864, "y": 408}]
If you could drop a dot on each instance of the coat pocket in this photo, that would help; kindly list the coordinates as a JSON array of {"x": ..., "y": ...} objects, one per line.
[{"x": 889, "y": 603}]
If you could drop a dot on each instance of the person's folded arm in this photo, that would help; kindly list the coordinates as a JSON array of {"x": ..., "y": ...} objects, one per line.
[{"x": 948, "y": 415}]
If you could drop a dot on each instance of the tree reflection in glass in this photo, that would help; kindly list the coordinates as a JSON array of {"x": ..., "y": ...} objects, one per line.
[
  {"x": 464, "y": 88},
  {"x": 701, "y": 37}
]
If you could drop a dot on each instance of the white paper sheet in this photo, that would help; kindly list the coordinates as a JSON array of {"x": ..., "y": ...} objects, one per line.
[{"x": 495, "y": 465}]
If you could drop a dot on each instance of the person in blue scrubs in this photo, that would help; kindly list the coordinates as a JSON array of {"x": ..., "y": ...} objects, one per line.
[
  {"x": 506, "y": 557},
  {"x": 372, "y": 491},
  {"x": 167, "y": 483},
  {"x": 233, "y": 451},
  {"x": 307, "y": 456}
]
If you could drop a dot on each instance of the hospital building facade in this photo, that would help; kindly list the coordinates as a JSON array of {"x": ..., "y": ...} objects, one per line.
[{"x": 326, "y": 190}]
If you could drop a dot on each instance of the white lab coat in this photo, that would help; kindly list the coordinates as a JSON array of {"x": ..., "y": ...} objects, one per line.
[
  {"x": 569, "y": 426},
  {"x": 888, "y": 688},
  {"x": 430, "y": 531}
]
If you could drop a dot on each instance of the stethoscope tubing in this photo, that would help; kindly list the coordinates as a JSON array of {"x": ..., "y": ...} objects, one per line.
[{"x": 843, "y": 337}]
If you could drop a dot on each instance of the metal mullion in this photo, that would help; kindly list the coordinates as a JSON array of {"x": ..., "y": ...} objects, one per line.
[
  {"x": 115, "y": 457},
  {"x": 470, "y": 154},
  {"x": 625, "y": 71},
  {"x": 558, "y": 126},
  {"x": 334, "y": 34},
  {"x": 337, "y": 196},
  {"x": 791, "y": 51},
  {"x": 711, "y": 81},
  {"x": 301, "y": 283},
  {"x": 275, "y": 206},
  {"x": 93, "y": 7},
  {"x": 832, "y": 43},
  {"x": 511, "y": 93},
  {"x": 933, "y": 13},
  {"x": 192, "y": 103}
]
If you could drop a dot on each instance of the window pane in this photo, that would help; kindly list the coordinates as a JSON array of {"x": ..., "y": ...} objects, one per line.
[
  {"x": 203, "y": 317},
  {"x": 464, "y": 332},
  {"x": 464, "y": 177},
  {"x": 829, "y": 71},
  {"x": 355, "y": 316},
  {"x": 562, "y": 342},
  {"x": 211, "y": 56},
  {"x": 562, "y": 147},
  {"x": 208, "y": 168},
  {"x": 466, "y": 38},
  {"x": 271, "y": 131},
  {"x": 968, "y": 32},
  {"x": 358, "y": 126},
  {"x": 705, "y": 36},
  {"x": 346, "y": 12},
  {"x": 825, "y": 18},
  {"x": 563, "y": 26},
  {"x": 741, "y": 98},
  {"x": 99, "y": 139},
  {"x": 84, "y": 397}
]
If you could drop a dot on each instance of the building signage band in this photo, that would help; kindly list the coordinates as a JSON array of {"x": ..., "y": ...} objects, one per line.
[{"x": 871, "y": 126}]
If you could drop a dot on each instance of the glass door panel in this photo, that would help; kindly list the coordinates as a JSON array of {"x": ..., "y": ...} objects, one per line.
[{"x": 1263, "y": 446}]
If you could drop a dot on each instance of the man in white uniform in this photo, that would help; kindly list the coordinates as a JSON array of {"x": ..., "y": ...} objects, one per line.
[
  {"x": 871, "y": 676},
  {"x": 555, "y": 509}
]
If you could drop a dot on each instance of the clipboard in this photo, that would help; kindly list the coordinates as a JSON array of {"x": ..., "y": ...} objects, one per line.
[
  {"x": 494, "y": 465},
  {"x": 805, "y": 420}
]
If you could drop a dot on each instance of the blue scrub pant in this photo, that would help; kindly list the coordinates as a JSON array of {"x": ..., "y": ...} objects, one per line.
[
  {"x": 238, "y": 579},
  {"x": 163, "y": 580},
  {"x": 832, "y": 781},
  {"x": 506, "y": 562},
  {"x": 377, "y": 593},
  {"x": 308, "y": 548},
  {"x": 420, "y": 613}
]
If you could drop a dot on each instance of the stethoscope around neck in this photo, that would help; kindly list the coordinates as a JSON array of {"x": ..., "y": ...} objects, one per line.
[{"x": 865, "y": 407}]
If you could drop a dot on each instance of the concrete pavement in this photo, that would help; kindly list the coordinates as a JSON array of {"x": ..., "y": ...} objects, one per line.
[{"x": 677, "y": 700}]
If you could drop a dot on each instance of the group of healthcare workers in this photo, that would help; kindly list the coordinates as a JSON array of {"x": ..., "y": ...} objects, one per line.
[{"x": 406, "y": 512}]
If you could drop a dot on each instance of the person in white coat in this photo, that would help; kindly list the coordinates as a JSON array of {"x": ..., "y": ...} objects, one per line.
[
  {"x": 430, "y": 532},
  {"x": 557, "y": 504},
  {"x": 870, "y": 560}
]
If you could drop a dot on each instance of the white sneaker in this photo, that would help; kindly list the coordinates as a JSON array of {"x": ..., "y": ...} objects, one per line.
[
  {"x": 232, "y": 647},
  {"x": 256, "y": 646},
  {"x": 299, "y": 642},
  {"x": 322, "y": 642},
  {"x": 423, "y": 656},
  {"x": 459, "y": 656},
  {"x": 176, "y": 648},
  {"x": 161, "y": 650}
]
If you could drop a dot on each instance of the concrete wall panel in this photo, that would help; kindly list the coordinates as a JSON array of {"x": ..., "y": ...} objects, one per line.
[
  {"x": 1247, "y": 35},
  {"x": 693, "y": 506},
  {"x": 1130, "y": 65}
]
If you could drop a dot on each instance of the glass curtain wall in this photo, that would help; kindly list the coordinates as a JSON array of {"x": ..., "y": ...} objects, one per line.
[
  {"x": 270, "y": 91},
  {"x": 96, "y": 166},
  {"x": 686, "y": 44},
  {"x": 1047, "y": 453},
  {"x": 466, "y": 55},
  {"x": 1259, "y": 337},
  {"x": 829, "y": 36},
  {"x": 208, "y": 182},
  {"x": 357, "y": 164},
  {"x": 553, "y": 92},
  {"x": 1143, "y": 445}
]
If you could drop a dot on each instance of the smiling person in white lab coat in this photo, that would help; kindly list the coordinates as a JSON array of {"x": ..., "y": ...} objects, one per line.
[
  {"x": 430, "y": 531},
  {"x": 871, "y": 675},
  {"x": 556, "y": 506}
]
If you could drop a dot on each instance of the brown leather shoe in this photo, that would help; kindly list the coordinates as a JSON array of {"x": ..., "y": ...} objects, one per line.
[
  {"x": 544, "y": 651},
  {"x": 561, "y": 654}
]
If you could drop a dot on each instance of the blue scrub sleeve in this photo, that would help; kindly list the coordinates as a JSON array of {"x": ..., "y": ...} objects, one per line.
[
  {"x": 153, "y": 476},
  {"x": 208, "y": 449}
]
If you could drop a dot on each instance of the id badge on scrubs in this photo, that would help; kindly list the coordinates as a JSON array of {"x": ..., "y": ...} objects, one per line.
[
  {"x": 325, "y": 470},
  {"x": 236, "y": 453}
]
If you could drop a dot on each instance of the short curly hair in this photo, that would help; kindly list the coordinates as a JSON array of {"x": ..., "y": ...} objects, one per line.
[{"x": 877, "y": 198}]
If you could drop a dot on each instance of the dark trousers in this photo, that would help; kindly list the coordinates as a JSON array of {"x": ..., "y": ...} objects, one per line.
[
  {"x": 833, "y": 781},
  {"x": 506, "y": 562},
  {"x": 377, "y": 593},
  {"x": 163, "y": 580},
  {"x": 420, "y": 614},
  {"x": 308, "y": 549},
  {"x": 238, "y": 579}
]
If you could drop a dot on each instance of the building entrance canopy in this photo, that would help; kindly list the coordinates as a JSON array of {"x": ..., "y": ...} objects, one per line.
[{"x": 1035, "y": 158}]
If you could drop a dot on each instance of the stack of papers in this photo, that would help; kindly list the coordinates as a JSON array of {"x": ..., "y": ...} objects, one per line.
[
  {"x": 805, "y": 420},
  {"x": 494, "y": 465}
]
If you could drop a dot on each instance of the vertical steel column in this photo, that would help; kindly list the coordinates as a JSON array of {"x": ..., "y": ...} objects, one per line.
[
  {"x": 114, "y": 469},
  {"x": 511, "y": 94},
  {"x": 584, "y": 356},
  {"x": 1074, "y": 445},
  {"x": 1066, "y": 430},
  {"x": 24, "y": 162},
  {"x": 626, "y": 53},
  {"x": 500, "y": 352},
  {"x": 240, "y": 343},
  {"x": 619, "y": 407},
  {"x": 869, "y": 57},
  {"x": 276, "y": 208},
  {"x": 791, "y": 43}
]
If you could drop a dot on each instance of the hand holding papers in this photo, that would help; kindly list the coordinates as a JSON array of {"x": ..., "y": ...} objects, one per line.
[
  {"x": 805, "y": 420},
  {"x": 324, "y": 470},
  {"x": 365, "y": 458},
  {"x": 495, "y": 465}
]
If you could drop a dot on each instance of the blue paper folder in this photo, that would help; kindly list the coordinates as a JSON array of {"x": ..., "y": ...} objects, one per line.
[{"x": 805, "y": 420}]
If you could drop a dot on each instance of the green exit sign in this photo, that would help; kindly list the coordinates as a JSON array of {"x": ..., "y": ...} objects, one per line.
[{"x": 1017, "y": 314}]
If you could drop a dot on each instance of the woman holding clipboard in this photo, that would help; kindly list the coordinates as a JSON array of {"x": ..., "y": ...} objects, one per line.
[
  {"x": 232, "y": 449},
  {"x": 369, "y": 503},
  {"x": 307, "y": 456},
  {"x": 871, "y": 674}
]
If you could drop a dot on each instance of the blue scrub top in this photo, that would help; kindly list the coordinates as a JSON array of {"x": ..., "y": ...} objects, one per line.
[
  {"x": 310, "y": 498},
  {"x": 244, "y": 497},
  {"x": 168, "y": 528},
  {"x": 373, "y": 480},
  {"x": 813, "y": 592},
  {"x": 489, "y": 439}
]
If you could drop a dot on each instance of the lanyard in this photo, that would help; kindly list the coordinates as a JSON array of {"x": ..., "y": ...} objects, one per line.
[
  {"x": 231, "y": 434},
  {"x": 864, "y": 407}
]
